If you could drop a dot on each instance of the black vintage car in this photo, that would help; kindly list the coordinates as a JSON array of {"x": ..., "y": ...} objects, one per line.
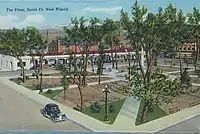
[{"x": 53, "y": 112}]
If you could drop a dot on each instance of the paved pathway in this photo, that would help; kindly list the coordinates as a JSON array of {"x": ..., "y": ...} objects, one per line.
[
  {"x": 129, "y": 111},
  {"x": 75, "y": 86}
]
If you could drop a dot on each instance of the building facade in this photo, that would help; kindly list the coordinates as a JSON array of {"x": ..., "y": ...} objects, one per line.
[
  {"x": 12, "y": 64},
  {"x": 186, "y": 50}
]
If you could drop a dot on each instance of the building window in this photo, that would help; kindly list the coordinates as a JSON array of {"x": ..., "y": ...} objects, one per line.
[
  {"x": 184, "y": 48},
  {"x": 18, "y": 64},
  {"x": 192, "y": 48},
  {"x": 188, "y": 48}
]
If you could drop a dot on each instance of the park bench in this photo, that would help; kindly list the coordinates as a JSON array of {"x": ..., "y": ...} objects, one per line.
[
  {"x": 173, "y": 110},
  {"x": 194, "y": 103}
]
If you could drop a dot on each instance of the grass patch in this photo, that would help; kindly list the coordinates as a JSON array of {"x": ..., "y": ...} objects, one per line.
[
  {"x": 101, "y": 115},
  {"x": 30, "y": 87},
  {"x": 155, "y": 114},
  {"x": 52, "y": 94},
  {"x": 34, "y": 87}
]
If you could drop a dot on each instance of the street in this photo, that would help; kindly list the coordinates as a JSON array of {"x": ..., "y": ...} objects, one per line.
[
  {"x": 190, "y": 126},
  {"x": 19, "y": 113}
]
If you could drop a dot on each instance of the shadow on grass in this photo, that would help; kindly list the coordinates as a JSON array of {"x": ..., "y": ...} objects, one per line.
[
  {"x": 52, "y": 94},
  {"x": 156, "y": 113},
  {"x": 101, "y": 115}
]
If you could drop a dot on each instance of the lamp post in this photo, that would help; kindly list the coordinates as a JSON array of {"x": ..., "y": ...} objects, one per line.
[
  {"x": 106, "y": 91},
  {"x": 129, "y": 64}
]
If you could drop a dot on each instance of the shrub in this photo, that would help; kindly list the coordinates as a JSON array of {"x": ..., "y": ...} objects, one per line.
[
  {"x": 33, "y": 74},
  {"x": 150, "y": 108},
  {"x": 111, "y": 108},
  {"x": 36, "y": 86},
  {"x": 19, "y": 80},
  {"x": 27, "y": 77},
  {"x": 95, "y": 107},
  {"x": 49, "y": 91}
]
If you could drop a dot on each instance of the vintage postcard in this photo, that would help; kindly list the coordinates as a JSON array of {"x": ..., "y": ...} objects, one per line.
[{"x": 100, "y": 66}]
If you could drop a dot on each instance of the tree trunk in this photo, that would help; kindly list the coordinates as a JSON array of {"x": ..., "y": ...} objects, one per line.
[
  {"x": 197, "y": 55},
  {"x": 85, "y": 68},
  {"x": 100, "y": 71},
  {"x": 116, "y": 60},
  {"x": 155, "y": 62},
  {"x": 80, "y": 92},
  {"x": 144, "y": 113},
  {"x": 112, "y": 57},
  {"x": 64, "y": 88},
  {"x": 23, "y": 73},
  {"x": 180, "y": 60},
  {"x": 41, "y": 60},
  {"x": 92, "y": 63},
  {"x": 36, "y": 70},
  {"x": 173, "y": 57},
  {"x": 22, "y": 69}
]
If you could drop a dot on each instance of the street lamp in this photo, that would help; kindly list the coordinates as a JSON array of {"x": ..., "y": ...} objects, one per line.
[
  {"x": 106, "y": 91},
  {"x": 129, "y": 65}
]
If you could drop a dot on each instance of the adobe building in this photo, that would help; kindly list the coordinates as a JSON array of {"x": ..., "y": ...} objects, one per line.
[{"x": 186, "y": 50}]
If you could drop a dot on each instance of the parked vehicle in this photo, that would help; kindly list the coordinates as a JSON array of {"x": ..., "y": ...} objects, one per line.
[{"x": 53, "y": 112}]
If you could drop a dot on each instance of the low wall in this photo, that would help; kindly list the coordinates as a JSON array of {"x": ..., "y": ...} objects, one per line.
[{"x": 10, "y": 62}]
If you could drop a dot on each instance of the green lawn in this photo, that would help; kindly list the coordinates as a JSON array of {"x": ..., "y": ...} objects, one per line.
[
  {"x": 100, "y": 116},
  {"x": 43, "y": 87},
  {"x": 157, "y": 113},
  {"x": 53, "y": 94},
  {"x": 30, "y": 87}
]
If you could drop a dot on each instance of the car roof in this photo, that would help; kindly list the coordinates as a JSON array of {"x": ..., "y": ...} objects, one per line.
[{"x": 51, "y": 105}]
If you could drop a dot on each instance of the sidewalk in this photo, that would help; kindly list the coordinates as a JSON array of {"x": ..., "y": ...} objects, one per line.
[
  {"x": 68, "y": 76},
  {"x": 75, "y": 86}
]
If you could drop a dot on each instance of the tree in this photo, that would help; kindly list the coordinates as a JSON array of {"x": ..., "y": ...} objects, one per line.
[
  {"x": 77, "y": 76},
  {"x": 100, "y": 61},
  {"x": 160, "y": 90},
  {"x": 84, "y": 32},
  {"x": 194, "y": 22},
  {"x": 186, "y": 80},
  {"x": 145, "y": 31},
  {"x": 111, "y": 38},
  {"x": 64, "y": 80},
  {"x": 36, "y": 46},
  {"x": 153, "y": 33},
  {"x": 14, "y": 42}
]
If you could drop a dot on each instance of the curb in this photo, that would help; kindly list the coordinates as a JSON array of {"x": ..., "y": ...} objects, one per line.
[
  {"x": 70, "y": 119},
  {"x": 82, "y": 125}
]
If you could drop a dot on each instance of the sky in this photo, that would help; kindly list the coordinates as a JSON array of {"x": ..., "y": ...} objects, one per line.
[{"x": 13, "y": 15}]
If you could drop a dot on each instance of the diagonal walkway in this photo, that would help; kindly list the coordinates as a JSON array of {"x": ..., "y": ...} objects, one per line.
[{"x": 129, "y": 111}]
